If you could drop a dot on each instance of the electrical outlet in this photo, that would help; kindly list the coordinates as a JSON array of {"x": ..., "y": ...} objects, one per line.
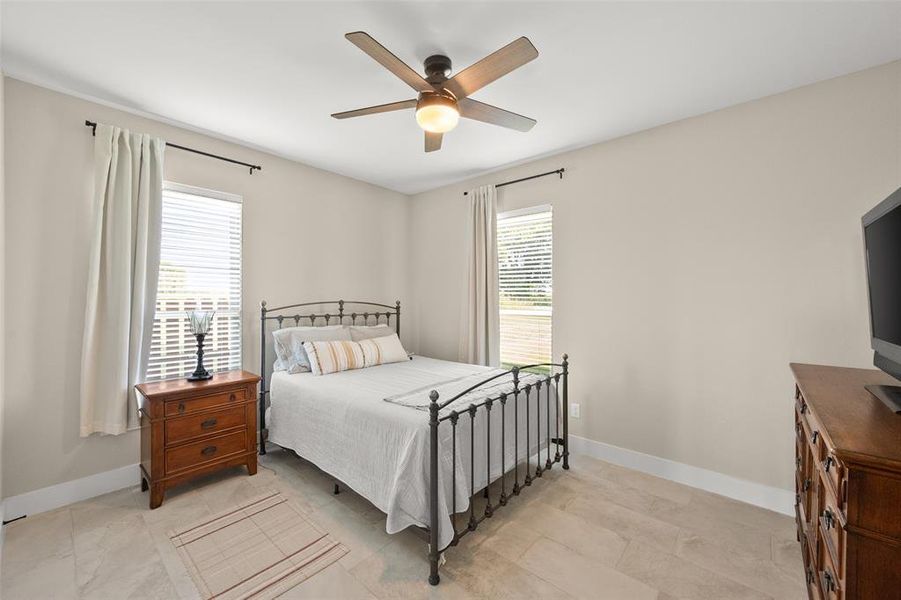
[{"x": 575, "y": 411}]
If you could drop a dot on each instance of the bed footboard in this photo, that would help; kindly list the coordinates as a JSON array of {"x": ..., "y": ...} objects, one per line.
[{"x": 522, "y": 398}]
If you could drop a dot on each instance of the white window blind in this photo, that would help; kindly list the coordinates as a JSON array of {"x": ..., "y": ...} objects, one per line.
[
  {"x": 200, "y": 269},
  {"x": 525, "y": 273}
]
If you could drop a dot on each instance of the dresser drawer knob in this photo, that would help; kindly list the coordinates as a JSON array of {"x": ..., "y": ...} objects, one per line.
[
  {"x": 828, "y": 463},
  {"x": 208, "y": 450},
  {"x": 803, "y": 407},
  {"x": 814, "y": 437},
  {"x": 806, "y": 485},
  {"x": 232, "y": 397},
  {"x": 809, "y": 576},
  {"x": 208, "y": 424},
  {"x": 181, "y": 407},
  {"x": 828, "y": 519},
  {"x": 798, "y": 462}
]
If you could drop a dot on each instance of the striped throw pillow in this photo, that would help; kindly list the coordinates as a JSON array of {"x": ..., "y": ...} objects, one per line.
[
  {"x": 382, "y": 350},
  {"x": 334, "y": 356}
]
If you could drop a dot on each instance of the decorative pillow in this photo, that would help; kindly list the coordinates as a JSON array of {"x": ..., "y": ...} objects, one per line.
[
  {"x": 383, "y": 350},
  {"x": 289, "y": 349},
  {"x": 333, "y": 356},
  {"x": 359, "y": 333}
]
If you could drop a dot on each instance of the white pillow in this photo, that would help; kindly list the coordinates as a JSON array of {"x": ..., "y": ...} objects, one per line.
[
  {"x": 288, "y": 343},
  {"x": 359, "y": 332},
  {"x": 383, "y": 350}
]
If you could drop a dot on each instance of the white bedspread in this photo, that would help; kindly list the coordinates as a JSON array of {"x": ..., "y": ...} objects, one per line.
[{"x": 342, "y": 423}]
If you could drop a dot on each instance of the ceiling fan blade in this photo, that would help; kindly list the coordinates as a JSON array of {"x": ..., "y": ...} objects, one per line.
[
  {"x": 383, "y": 56},
  {"x": 479, "y": 111},
  {"x": 433, "y": 141},
  {"x": 492, "y": 67},
  {"x": 373, "y": 110}
]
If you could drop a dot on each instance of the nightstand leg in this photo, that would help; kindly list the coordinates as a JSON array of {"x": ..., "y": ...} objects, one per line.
[
  {"x": 252, "y": 465},
  {"x": 157, "y": 491},
  {"x": 144, "y": 486}
]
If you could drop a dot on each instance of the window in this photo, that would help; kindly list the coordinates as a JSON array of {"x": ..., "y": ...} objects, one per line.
[
  {"x": 200, "y": 269},
  {"x": 525, "y": 265}
]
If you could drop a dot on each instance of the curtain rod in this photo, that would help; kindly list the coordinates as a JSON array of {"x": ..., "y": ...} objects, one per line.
[
  {"x": 556, "y": 172},
  {"x": 93, "y": 127}
]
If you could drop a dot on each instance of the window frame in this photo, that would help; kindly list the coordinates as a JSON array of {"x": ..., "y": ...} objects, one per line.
[
  {"x": 171, "y": 186},
  {"x": 522, "y": 212}
]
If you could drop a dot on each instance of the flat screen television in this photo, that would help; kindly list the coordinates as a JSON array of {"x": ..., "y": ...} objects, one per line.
[{"x": 882, "y": 241}]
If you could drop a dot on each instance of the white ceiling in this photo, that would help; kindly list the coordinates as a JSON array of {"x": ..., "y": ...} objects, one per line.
[{"x": 269, "y": 74}]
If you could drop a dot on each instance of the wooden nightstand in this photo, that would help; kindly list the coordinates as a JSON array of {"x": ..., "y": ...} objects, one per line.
[{"x": 190, "y": 428}]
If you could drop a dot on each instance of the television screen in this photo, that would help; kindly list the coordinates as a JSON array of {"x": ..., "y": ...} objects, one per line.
[{"x": 883, "y": 243}]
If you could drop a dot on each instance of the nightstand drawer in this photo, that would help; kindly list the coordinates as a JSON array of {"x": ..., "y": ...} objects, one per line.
[
  {"x": 183, "y": 429},
  {"x": 209, "y": 450},
  {"x": 186, "y": 406}
]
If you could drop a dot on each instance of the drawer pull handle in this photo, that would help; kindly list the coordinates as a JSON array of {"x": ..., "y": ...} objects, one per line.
[
  {"x": 827, "y": 464},
  {"x": 806, "y": 485},
  {"x": 830, "y": 581},
  {"x": 814, "y": 437},
  {"x": 208, "y": 450},
  {"x": 232, "y": 398},
  {"x": 803, "y": 407},
  {"x": 798, "y": 428},
  {"x": 798, "y": 462},
  {"x": 809, "y": 576},
  {"x": 208, "y": 424},
  {"x": 181, "y": 407},
  {"x": 797, "y": 499},
  {"x": 828, "y": 519}
]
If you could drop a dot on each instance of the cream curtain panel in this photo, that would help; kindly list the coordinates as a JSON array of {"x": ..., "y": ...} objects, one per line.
[
  {"x": 122, "y": 277},
  {"x": 480, "y": 322}
]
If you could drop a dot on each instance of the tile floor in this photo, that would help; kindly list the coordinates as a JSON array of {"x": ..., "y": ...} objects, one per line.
[{"x": 600, "y": 531}]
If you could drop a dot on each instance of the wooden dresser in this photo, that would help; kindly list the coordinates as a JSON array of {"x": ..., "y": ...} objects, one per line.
[
  {"x": 189, "y": 428},
  {"x": 848, "y": 484}
]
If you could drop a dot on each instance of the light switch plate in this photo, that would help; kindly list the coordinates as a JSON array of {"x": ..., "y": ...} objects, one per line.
[{"x": 575, "y": 411}]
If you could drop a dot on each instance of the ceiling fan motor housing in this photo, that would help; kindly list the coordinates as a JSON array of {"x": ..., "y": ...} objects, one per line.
[{"x": 437, "y": 68}]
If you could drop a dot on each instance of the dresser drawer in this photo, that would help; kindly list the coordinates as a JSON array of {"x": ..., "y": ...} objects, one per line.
[
  {"x": 834, "y": 472},
  {"x": 181, "y": 429},
  {"x": 186, "y": 406},
  {"x": 208, "y": 450},
  {"x": 830, "y": 586},
  {"x": 831, "y": 533},
  {"x": 808, "y": 554}
]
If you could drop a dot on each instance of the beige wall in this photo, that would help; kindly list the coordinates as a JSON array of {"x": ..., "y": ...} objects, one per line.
[
  {"x": 692, "y": 262},
  {"x": 288, "y": 209}
]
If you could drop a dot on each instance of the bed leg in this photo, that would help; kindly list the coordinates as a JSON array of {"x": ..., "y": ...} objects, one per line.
[{"x": 433, "y": 489}]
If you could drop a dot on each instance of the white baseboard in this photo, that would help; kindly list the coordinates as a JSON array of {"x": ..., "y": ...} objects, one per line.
[
  {"x": 61, "y": 494},
  {"x": 764, "y": 496}
]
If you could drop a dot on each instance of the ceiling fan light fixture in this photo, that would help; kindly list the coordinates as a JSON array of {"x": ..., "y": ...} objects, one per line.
[{"x": 437, "y": 113}]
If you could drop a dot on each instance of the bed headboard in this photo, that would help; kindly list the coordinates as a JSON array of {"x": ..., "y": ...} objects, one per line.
[{"x": 315, "y": 314}]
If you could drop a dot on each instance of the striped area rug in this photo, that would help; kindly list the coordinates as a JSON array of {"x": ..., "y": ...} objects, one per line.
[{"x": 258, "y": 550}]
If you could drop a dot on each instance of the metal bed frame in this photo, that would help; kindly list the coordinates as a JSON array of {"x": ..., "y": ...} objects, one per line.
[{"x": 519, "y": 397}]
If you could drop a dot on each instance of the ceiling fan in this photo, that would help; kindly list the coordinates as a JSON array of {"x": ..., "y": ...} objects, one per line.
[{"x": 442, "y": 100}]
